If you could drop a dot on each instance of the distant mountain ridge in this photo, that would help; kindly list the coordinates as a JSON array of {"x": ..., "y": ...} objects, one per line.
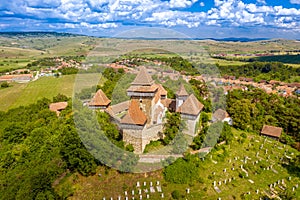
[{"x": 60, "y": 34}]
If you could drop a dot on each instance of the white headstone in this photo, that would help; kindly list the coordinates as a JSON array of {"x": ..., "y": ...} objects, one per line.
[
  {"x": 126, "y": 198},
  {"x": 145, "y": 183},
  {"x": 257, "y": 191},
  {"x": 137, "y": 184},
  {"x": 151, "y": 183},
  {"x": 111, "y": 198},
  {"x": 125, "y": 193},
  {"x": 290, "y": 178},
  {"x": 119, "y": 197},
  {"x": 141, "y": 197},
  {"x": 215, "y": 183},
  {"x": 232, "y": 168},
  {"x": 157, "y": 182},
  {"x": 140, "y": 191},
  {"x": 147, "y": 196},
  {"x": 229, "y": 180},
  {"x": 220, "y": 182},
  {"x": 293, "y": 189},
  {"x": 225, "y": 181},
  {"x": 103, "y": 198},
  {"x": 225, "y": 170},
  {"x": 162, "y": 195},
  {"x": 188, "y": 190},
  {"x": 132, "y": 192}
]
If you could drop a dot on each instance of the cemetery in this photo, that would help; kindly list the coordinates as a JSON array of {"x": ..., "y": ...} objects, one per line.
[{"x": 247, "y": 168}]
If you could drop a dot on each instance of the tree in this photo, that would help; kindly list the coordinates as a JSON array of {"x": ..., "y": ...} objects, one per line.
[{"x": 4, "y": 85}]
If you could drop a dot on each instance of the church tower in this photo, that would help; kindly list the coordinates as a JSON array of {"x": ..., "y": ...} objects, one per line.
[
  {"x": 181, "y": 96},
  {"x": 144, "y": 91}
]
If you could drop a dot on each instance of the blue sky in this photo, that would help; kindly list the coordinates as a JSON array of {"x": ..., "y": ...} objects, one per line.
[{"x": 195, "y": 18}]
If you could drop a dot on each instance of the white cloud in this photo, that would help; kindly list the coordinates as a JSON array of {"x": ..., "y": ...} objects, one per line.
[
  {"x": 261, "y": 2},
  {"x": 202, "y": 4},
  {"x": 295, "y": 1}
]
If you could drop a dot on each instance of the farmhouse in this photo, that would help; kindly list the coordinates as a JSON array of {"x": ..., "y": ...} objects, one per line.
[{"x": 271, "y": 131}]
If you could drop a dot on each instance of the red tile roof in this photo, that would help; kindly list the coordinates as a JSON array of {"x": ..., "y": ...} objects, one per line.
[
  {"x": 191, "y": 106},
  {"x": 271, "y": 131},
  {"x": 57, "y": 107},
  {"x": 100, "y": 99},
  {"x": 135, "y": 115}
]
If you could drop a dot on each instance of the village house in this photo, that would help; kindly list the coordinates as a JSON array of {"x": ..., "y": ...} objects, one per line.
[
  {"x": 271, "y": 131},
  {"x": 221, "y": 115},
  {"x": 58, "y": 107},
  {"x": 19, "y": 78}
]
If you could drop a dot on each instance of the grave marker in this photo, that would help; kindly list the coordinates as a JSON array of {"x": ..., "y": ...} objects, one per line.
[{"x": 137, "y": 184}]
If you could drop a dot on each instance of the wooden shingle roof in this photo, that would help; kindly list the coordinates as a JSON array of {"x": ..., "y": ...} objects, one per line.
[
  {"x": 191, "y": 106},
  {"x": 220, "y": 115},
  {"x": 271, "y": 131},
  {"x": 58, "y": 106},
  {"x": 143, "y": 78},
  {"x": 135, "y": 115},
  {"x": 100, "y": 99},
  {"x": 182, "y": 91}
]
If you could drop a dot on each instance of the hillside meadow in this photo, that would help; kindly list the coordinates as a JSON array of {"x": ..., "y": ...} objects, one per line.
[{"x": 22, "y": 94}]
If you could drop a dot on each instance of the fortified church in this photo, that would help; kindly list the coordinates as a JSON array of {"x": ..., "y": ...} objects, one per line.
[{"x": 141, "y": 118}]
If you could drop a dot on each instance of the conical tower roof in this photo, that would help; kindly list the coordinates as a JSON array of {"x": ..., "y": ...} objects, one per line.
[
  {"x": 182, "y": 91},
  {"x": 143, "y": 78},
  {"x": 191, "y": 106}
]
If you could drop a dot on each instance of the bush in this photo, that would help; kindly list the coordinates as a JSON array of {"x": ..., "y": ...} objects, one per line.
[
  {"x": 175, "y": 194},
  {"x": 4, "y": 85}
]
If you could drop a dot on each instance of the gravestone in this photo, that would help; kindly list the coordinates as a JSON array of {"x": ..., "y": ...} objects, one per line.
[
  {"x": 157, "y": 182},
  {"x": 188, "y": 190},
  {"x": 158, "y": 188},
  {"x": 147, "y": 196},
  {"x": 232, "y": 169},
  {"x": 111, "y": 198},
  {"x": 140, "y": 191},
  {"x": 141, "y": 197},
  {"x": 152, "y": 190},
  {"x": 162, "y": 195},
  {"x": 132, "y": 192},
  {"x": 215, "y": 183},
  {"x": 103, "y": 198},
  {"x": 225, "y": 181},
  {"x": 229, "y": 180},
  {"x": 151, "y": 184},
  {"x": 125, "y": 193},
  {"x": 293, "y": 189},
  {"x": 145, "y": 183},
  {"x": 257, "y": 191},
  {"x": 119, "y": 197},
  {"x": 126, "y": 198},
  {"x": 220, "y": 182},
  {"x": 225, "y": 170},
  {"x": 137, "y": 184}
]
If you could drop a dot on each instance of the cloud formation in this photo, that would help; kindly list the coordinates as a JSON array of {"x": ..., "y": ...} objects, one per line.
[{"x": 111, "y": 14}]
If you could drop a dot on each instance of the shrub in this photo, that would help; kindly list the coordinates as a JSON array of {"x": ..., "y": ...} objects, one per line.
[
  {"x": 4, "y": 85},
  {"x": 175, "y": 194}
]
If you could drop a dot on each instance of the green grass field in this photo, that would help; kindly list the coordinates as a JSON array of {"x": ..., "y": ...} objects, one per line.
[
  {"x": 24, "y": 94},
  {"x": 112, "y": 183}
]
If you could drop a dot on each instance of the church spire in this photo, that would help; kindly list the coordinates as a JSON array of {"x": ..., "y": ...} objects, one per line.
[{"x": 143, "y": 78}]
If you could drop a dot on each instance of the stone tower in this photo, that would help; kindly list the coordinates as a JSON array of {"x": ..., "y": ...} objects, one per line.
[{"x": 144, "y": 91}]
